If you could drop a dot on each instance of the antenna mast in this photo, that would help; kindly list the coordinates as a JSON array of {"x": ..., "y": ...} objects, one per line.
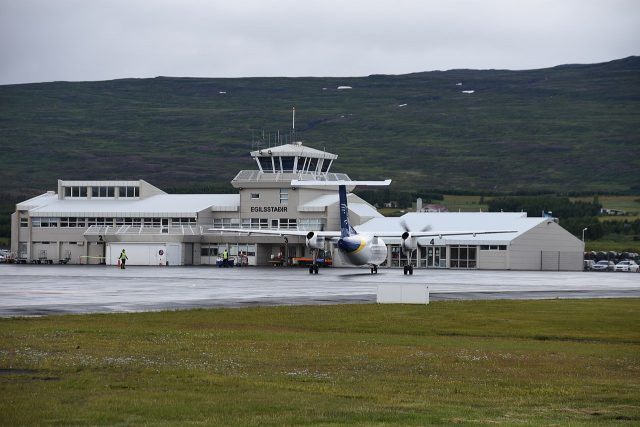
[{"x": 293, "y": 127}]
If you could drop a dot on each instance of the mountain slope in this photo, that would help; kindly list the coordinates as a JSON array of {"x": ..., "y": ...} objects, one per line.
[{"x": 572, "y": 128}]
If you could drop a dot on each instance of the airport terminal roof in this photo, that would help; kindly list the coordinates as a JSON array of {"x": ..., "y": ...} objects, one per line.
[
  {"x": 161, "y": 205},
  {"x": 455, "y": 222},
  {"x": 319, "y": 204}
]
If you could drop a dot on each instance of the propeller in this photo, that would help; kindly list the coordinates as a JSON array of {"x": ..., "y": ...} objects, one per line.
[
  {"x": 409, "y": 245},
  {"x": 406, "y": 229}
]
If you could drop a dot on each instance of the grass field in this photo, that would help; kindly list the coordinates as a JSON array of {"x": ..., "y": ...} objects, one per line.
[
  {"x": 457, "y": 203},
  {"x": 485, "y": 362}
]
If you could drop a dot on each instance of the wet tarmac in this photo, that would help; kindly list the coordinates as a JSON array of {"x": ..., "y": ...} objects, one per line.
[{"x": 35, "y": 290}]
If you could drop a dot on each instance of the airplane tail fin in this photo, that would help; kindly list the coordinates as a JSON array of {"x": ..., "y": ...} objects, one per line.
[{"x": 345, "y": 226}]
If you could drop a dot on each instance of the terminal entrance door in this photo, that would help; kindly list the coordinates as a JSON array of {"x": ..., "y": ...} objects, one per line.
[{"x": 436, "y": 257}]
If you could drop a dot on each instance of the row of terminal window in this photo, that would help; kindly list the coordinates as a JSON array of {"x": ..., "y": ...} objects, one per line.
[
  {"x": 315, "y": 224},
  {"x": 215, "y": 250},
  {"x": 101, "y": 191},
  {"x": 74, "y": 222}
]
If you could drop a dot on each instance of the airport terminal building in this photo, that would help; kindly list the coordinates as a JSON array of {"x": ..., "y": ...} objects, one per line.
[{"x": 90, "y": 222}]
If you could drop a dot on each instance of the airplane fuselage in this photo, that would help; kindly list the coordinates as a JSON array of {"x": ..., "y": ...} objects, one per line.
[{"x": 363, "y": 249}]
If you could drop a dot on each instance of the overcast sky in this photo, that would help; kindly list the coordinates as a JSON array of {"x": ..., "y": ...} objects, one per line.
[{"x": 46, "y": 40}]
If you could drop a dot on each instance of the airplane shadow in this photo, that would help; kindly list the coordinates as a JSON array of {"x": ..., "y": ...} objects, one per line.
[{"x": 346, "y": 276}]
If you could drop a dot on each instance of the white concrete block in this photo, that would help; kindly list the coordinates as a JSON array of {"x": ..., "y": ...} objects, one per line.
[{"x": 399, "y": 293}]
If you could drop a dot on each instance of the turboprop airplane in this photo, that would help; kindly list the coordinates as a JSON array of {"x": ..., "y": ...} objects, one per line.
[{"x": 358, "y": 248}]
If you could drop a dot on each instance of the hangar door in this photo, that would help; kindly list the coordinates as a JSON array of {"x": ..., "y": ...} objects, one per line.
[
  {"x": 560, "y": 261},
  {"x": 145, "y": 253}
]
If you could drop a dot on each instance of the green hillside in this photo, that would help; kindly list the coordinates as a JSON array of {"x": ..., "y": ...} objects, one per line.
[{"x": 572, "y": 128}]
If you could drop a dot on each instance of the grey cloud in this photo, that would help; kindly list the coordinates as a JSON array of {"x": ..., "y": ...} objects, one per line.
[{"x": 44, "y": 40}]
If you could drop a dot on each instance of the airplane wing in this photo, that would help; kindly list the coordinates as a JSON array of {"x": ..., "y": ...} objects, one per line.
[
  {"x": 250, "y": 231},
  {"x": 440, "y": 234}
]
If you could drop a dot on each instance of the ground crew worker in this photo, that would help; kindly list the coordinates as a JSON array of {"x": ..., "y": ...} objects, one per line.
[
  {"x": 225, "y": 258},
  {"x": 123, "y": 259}
]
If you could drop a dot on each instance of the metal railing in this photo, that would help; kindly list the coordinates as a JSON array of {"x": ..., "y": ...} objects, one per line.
[{"x": 174, "y": 230}]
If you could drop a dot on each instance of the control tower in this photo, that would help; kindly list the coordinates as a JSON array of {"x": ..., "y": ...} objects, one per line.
[
  {"x": 286, "y": 162},
  {"x": 268, "y": 200}
]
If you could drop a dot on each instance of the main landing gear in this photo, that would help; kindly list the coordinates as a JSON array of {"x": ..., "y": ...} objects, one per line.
[
  {"x": 313, "y": 268},
  {"x": 374, "y": 269},
  {"x": 408, "y": 268}
]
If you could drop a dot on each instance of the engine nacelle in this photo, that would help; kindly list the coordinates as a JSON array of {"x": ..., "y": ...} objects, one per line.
[
  {"x": 409, "y": 243},
  {"x": 314, "y": 241}
]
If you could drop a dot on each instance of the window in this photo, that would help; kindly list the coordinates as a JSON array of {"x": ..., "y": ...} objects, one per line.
[
  {"x": 284, "y": 196},
  {"x": 247, "y": 249},
  {"x": 255, "y": 223},
  {"x": 311, "y": 166},
  {"x": 129, "y": 192},
  {"x": 183, "y": 221},
  {"x": 311, "y": 224},
  {"x": 151, "y": 222},
  {"x": 222, "y": 222},
  {"x": 75, "y": 191},
  {"x": 102, "y": 222},
  {"x": 287, "y": 163},
  {"x": 288, "y": 223},
  {"x": 266, "y": 164},
  {"x": 209, "y": 251},
  {"x": 325, "y": 165},
  {"x": 24, "y": 222},
  {"x": 493, "y": 247},
  {"x": 103, "y": 191},
  {"x": 255, "y": 195},
  {"x": 44, "y": 222},
  {"x": 70, "y": 222},
  {"x": 463, "y": 256},
  {"x": 302, "y": 163}
]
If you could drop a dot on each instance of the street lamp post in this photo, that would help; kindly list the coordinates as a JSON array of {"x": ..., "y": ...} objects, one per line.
[{"x": 583, "y": 230}]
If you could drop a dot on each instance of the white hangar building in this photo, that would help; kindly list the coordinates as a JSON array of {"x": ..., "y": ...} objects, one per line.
[
  {"x": 90, "y": 222},
  {"x": 536, "y": 243}
]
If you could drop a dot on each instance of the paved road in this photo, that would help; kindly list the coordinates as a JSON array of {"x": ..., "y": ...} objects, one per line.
[{"x": 31, "y": 290}]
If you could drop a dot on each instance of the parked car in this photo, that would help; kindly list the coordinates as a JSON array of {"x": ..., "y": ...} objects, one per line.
[
  {"x": 627, "y": 265},
  {"x": 588, "y": 264},
  {"x": 603, "y": 265}
]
